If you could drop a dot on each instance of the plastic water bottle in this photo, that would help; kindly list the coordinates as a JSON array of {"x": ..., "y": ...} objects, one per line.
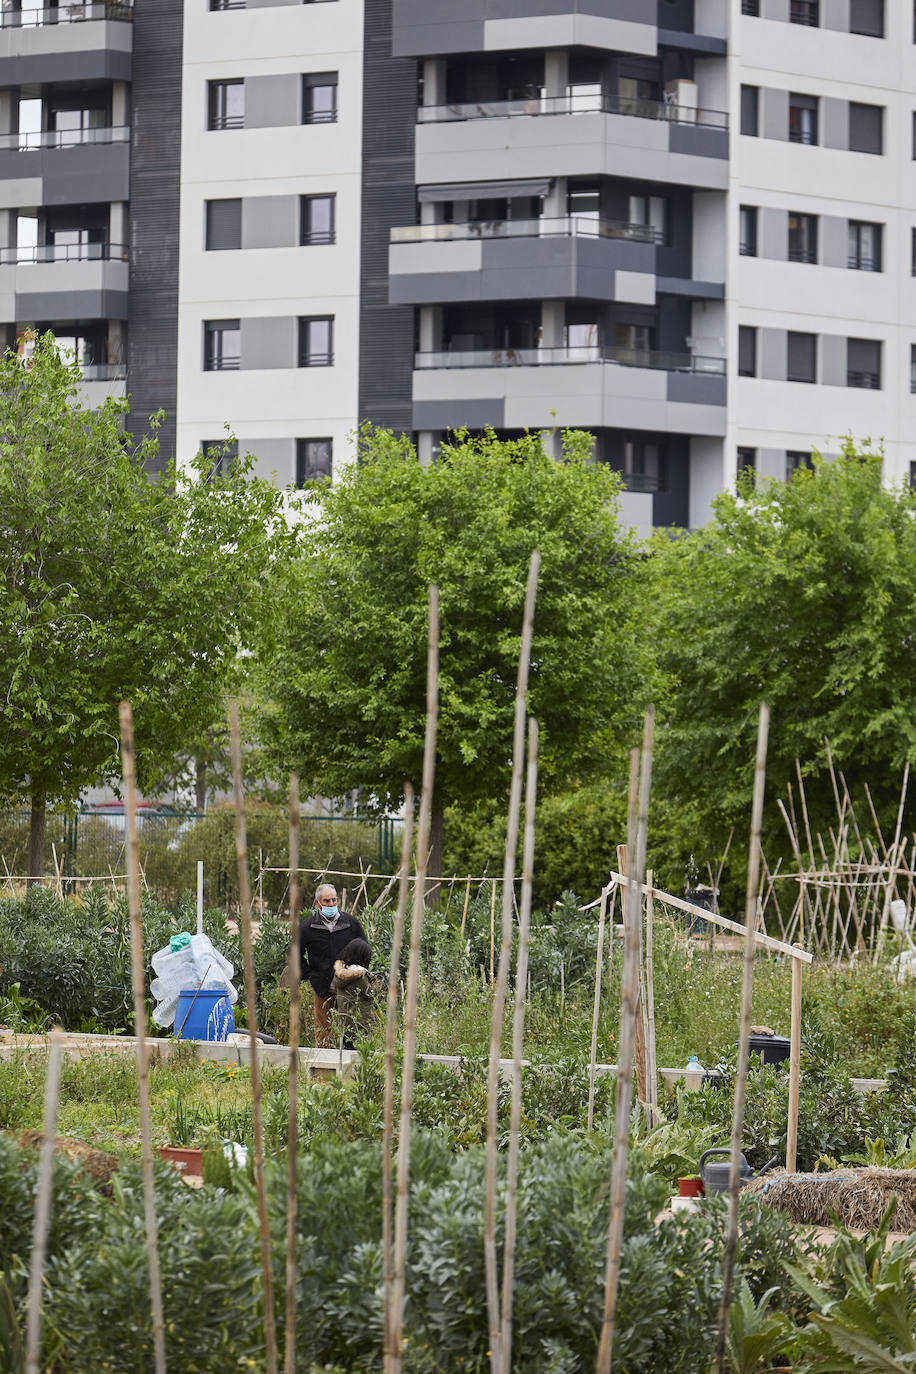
[{"x": 693, "y": 1076}]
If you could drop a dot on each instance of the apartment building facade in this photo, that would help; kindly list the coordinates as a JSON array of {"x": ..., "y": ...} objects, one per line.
[{"x": 688, "y": 226}]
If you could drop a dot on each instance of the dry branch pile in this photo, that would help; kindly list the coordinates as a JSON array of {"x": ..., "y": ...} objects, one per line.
[{"x": 856, "y": 1197}]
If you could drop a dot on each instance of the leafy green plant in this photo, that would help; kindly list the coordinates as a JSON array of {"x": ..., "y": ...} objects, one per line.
[{"x": 756, "y": 1335}]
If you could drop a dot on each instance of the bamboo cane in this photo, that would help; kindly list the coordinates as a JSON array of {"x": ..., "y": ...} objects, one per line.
[
  {"x": 251, "y": 1006},
  {"x": 505, "y": 954},
  {"x": 892, "y": 876},
  {"x": 138, "y": 979},
  {"x": 492, "y": 927},
  {"x": 747, "y": 988},
  {"x": 518, "y": 1032},
  {"x": 639, "y": 1045},
  {"x": 651, "y": 1061},
  {"x": 391, "y": 1031},
  {"x": 467, "y": 898},
  {"x": 413, "y": 980},
  {"x": 636, "y": 848},
  {"x": 44, "y": 1197},
  {"x": 596, "y": 1008},
  {"x": 292, "y": 1127},
  {"x": 794, "y": 1067}
]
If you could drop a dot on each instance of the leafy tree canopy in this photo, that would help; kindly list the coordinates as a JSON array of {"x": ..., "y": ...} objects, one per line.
[
  {"x": 349, "y": 679},
  {"x": 802, "y": 594},
  {"x": 114, "y": 586}
]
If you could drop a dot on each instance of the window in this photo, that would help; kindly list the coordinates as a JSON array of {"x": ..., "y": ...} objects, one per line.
[
  {"x": 747, "y": 351},
  {"x": 222, "y": 346},
  {"x": 645, "y": 466},
  {"x": 316, "y": 341},
  {"x": 867, "y": 17},
  {"x": 802, "y": 118},
  {"x": 313, "y": 460},
  {"x": 751, "y": 7},
  {"x": 652, "y": 213},
  {"x": 912, "y": 379},
  {"x": 795, "y": 461},
  {"x": 750, "y": 102},
  {"x": 319, "y": 98},
  {"x": 583, "y": 199},
  {"x": 747, "y": 231},
  {"x": 802, "y": 238},
  {"x": 224, "y": 224},
  {"x": 912, "y": 476},
  {"x": 747, "y": 459},
  {"x": 865, "y": 246},
  {"x": 863, "y": 364},
  {"x": 804, "y": 12},
  {"x": 226, "y": 104},
  {"x": 866, "y": 128},
  {"x": 227, "y": 4},
  {"x": 222, "y": 453},
  {"x": 801, "y": 357},
  {"x": 317, "y": 219}
]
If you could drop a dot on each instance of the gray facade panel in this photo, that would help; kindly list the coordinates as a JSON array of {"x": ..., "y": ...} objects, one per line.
[
  {"x": 771, "y": 462},
  {"x": 101, "y": 64},
  {"x": 476, "y": 414},
  {"x": 93, "y": 172},
  {"x": 835, "y": 15},
  {"x": 697, "y": 388},
  {"x": 386, "y": 331},
  {"x": 833, "y": 360},
  {"x": 772, "y": 354},
  {"x": 774, "y": 233},
  {"x": 152, "y": 326},
  {"x": 775, "y": 9},
  {"x": 694, "y": 290},
  {"x": 698, "y": 141},
  {"x": 421, "y": 27},
  {"x": 834, "y": 122},
  {"x": 273, "y": 101},
  {"x": 270, "y": 221},
  {"x": 435, "y": 288},
  {"x": 774, "y": 113},
  {"x": 269, "y": 341},
  {"x": 692, "y": 42},
  {"x": 275, "y": 459},
  {"x": 834, "y": 246},
  {"x": 71, "y": 305}
]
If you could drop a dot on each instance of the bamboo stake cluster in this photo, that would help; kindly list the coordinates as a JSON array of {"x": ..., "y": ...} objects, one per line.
[{"x": 292, "y": 1127}]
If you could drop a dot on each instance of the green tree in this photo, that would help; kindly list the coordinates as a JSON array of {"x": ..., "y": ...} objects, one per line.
[
  {"x": 802, "y": 594},
  {"x": 115, "y": 587},
  {"x": 349, "y": 681}
]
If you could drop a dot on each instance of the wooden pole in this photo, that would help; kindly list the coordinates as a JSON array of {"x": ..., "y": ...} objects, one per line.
[
  {"x": 794, "y": 1066},
  {"x": 292, "y": 1126},
  {"x": 467, "y": 898},
  {"x": 518, "y": 1033},
  {"x": 596, "y": 1007},
  {"x": 505, "y": 955},
  {"x": 391, "y": 1033},
  {"x": 128, "y": 769},
  {"x": 747, "y": 989},
  {"x": 44, "y": 1197},
  {"x": 629, "y": 1015},
  {"x": 894, "y": 865},
  {"x": 492, "y": 927},
  {"x": 651, "y": 1062},
  {"x": 413, "y": 980},
  {"x": 251, "y": 1006}
]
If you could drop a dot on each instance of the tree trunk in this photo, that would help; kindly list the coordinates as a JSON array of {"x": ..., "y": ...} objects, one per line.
[
  {"x": 434, "y": 869},
  {"x": 37, "y": 822},
  {"x": 200, "y": 785}
]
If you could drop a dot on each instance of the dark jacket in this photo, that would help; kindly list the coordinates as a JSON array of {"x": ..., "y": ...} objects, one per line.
[
  {"x": 357, "y": 991},
  {"x": 320, "y": 947}
]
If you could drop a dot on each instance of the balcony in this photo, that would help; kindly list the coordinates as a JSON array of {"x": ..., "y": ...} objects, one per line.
[
  {"x": 73, "y": 166},
  {"x": 26, "y": 142},
  {"x": 90, "y": 42},
  {"x": 572, "y": 135},
  {"x": 530, "y": 259},
  {"x": 587, "y": 387},
  {"x": 64, "y": 282}
]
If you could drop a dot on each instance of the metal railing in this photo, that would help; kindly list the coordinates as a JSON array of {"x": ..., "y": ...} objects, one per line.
[
  {"x": 572, "y": 104},
  {"x": 660, "y": 360},
  {"x": 567, "y": 226},
  {"x": 26, "y": 142},
  {"x": 37, "y": 16},
  {"x": 804, "y": 12},
  {"x": 64, "y": 252},
  {"x": 864, "y": 262},
  {"x": 643, "y": 482},
  {"x": 104, "y": 372},
  {"x": 226, "y": 122},
  {"x": 864, "y": 381},
  {"x": 224, "y": 362}
]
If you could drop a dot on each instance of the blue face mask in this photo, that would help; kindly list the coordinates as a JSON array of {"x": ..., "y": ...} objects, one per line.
[{"x": 330, "y": 913}]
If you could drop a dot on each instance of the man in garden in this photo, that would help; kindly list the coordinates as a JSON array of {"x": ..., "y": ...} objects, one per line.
[{"x": 322, "y": 936}]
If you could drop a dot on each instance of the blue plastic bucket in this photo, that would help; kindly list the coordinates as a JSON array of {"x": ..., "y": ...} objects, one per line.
[{"x": 203, "y": 1015}]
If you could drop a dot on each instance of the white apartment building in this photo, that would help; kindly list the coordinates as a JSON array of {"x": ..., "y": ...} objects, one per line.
[{"x": 688, "y": 226}]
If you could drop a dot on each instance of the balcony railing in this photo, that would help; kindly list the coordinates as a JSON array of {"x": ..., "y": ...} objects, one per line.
[
  {"x": 104, "y": 372},
  {"x": 865, "y": 381},
  {"x": 27, "y": 142},
  {"x": 567, "y": 226},
  {"x": 804, "y": 12},
  {"x": 572, "y": 104},
  {"x": 643, "y": 482},
  {"x": 35, "y": 17},
  {"x": 64, "y": 252},
  {"x": 588, "y": 353}
]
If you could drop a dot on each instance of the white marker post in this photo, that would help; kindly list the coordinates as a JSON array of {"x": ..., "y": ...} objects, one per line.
[{"x": 200, "y": 896}]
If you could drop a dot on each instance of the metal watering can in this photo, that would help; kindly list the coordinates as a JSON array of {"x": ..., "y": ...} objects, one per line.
[{"x": 715, "y": 1176}]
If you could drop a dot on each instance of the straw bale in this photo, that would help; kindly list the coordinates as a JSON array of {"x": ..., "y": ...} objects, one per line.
[
  {"x": 856, "y": 1198},
  {"x": 96, "y": 1163}
]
